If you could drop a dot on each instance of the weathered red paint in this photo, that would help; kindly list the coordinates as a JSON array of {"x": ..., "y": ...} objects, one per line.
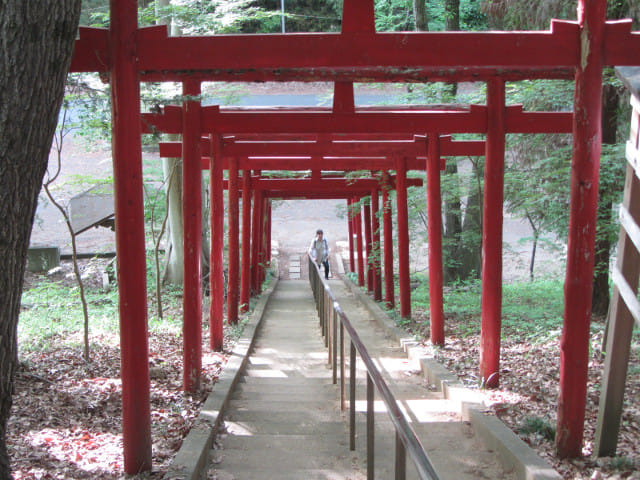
[
  {"x": 574, "y": 344},
  {"x": 130, "y": 241},
  {"x": 352, "y": 263},
  {"x": 434, "y": 232},
  {"x": 375, "y": 228},
  {"x": 492, "y": 237},
  {"x": 366, "y": 213},
  {"x": 261, "y": 241},
  {"x": 357, "y": 222},
  {"x": 255, "y": 239},
  {"x": 245, "y": 276},
  {"x": 233, "y": 245},
  {"x": 387, "y": 225},
  {"x": 192, "y": 218},
  {"x": 216, "y": 311},
  {"x": 403, "y": 238},
  {"x": 268, "y": 230}
]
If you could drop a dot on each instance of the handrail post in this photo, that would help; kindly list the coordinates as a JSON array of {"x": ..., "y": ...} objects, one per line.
[
  {"x": 343, "y": 399},
  {"x": 370, "y": 430},
  {"x": 330, "y": 333},
  {"x": 401, "y": 459},
  {"x": 334, "y": 337},
  {"x": 352, "y": 397}
]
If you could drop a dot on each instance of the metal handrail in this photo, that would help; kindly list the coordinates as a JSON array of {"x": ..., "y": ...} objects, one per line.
[{"x": 406, "y": 438}]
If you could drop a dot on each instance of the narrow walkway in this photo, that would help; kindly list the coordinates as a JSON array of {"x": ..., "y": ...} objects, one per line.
[{"x": 284, "y": 419}]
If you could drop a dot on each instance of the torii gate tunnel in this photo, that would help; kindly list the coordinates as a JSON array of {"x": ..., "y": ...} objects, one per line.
[{"x": 128, "y": 55}]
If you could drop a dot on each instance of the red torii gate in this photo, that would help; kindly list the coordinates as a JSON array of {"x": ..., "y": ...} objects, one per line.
[{"x": 570, "y": 50}]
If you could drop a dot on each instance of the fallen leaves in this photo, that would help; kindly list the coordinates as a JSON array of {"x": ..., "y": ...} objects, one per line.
[{"x": 67, "y": 416}]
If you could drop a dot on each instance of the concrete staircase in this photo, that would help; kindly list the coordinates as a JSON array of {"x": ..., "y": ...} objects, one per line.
[{"x": 284, "y": 419}]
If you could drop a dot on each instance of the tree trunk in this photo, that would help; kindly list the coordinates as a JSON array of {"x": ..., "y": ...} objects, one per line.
[
  {"x": 452, "y": 15},
  {"x": 172, "y": 167},
  {"x": 452, "y": 223},
  {"x": 174, "y": 268},
  {"x": 420, "y": 15},
  {"x": 35, "y": 51}
]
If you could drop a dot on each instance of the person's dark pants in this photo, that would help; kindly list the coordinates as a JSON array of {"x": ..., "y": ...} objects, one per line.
[{"x": 326, "y": 269}]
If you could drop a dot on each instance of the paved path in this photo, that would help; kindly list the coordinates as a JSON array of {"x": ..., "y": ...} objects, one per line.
[{"x": 284, "y": 420}]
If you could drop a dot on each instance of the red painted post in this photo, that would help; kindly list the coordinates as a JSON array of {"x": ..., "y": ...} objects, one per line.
[
  {"x": 375, "y": 227},
  {"x": 434, "y": 227},
  {"x": 260, "y": 237},
  {"x": 233, "y": 250},
  {"x": 245, "y": 277},
  {"x": 192, "y": 218},
  {"x": 368, "y": 240},
  {"x": 403, "y": 238},
  {"x": 492, "y": 236},
  {"x": 387, "y": 225},
  {"x": 268, "y": 232},
  {"x": 130, "y": 241},
  {"x": 587, "y": 136},
  {"x": 255, "y": 242},
  {"x": 358, "y": 224},
  {"x": 352, "y": 262},
  {"x": 216, "y": 280}
]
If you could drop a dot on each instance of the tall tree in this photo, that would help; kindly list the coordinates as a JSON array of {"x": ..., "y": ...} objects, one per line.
[
  {"x": 36, "y": 43},
  {"x": 420, "y": 15}
]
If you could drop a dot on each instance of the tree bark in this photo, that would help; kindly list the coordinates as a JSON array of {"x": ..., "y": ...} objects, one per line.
[
  {"x": 36, "y": 43},
  {"x": 420, "y": 15}
]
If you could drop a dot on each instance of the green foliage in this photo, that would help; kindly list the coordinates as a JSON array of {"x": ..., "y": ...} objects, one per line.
[
  {"x": 397, "y": 15},
  {"x": 538, "y": 426},
  {"x": 50, "y": 309}
]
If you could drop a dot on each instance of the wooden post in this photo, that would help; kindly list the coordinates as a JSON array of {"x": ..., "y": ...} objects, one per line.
[
  {"x": 358, "y": 224},
  {"x": 587, "y": 136},
  {"x": 255, "y": 242},
  {"x": 352, "y": 262},
  {"x": 268, "y": 231},
  {"x": 216, "y": 257},
  {"x": 375, "y": 227},
  {"x": 192, "y": 218},
  {"x": 245, "y": 277},
  {"x": 403, "y": 238},
  {"x": 368, "y": 242},
  {"x": 130, "y": 241},
  {"x": 387, "y": 225},
  {"x": 262, "y": 242},
  {"x": 233, "y": 250},
  {"x": 492, "y": 236},
  {"x": 434, "y": 228}
]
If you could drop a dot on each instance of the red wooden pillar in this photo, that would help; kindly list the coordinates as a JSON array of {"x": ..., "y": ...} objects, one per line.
[
  {"x": 375, "y": 227},
  {"x": 358, "y": 228},
  {"x": 352, "y": 260},
  {"x": 368, "y": 241},
  {"x": 434, "y": 226},
  {"x": 130, "y": 241},
  {"x": 262, "y": 244},
  {"x": 245, "y": 276},
  {"x": 587, "y": 136},
  {"x": 233, "y": 250},
  {"x": 268, "y": 232},
  {"x": 492, "y": 236},
  {"x": 255, "y": 242},
  {"x": 261, "y": 236},
  {"x": 387, "y": 225},
  {"x": 403, "y": 238},
  {"x": 216, "y": 280},
  {"x": 192, "y": 218}
]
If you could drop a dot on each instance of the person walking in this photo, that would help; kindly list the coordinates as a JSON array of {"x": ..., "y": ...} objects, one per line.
[{"x": 319, "y": 251}]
